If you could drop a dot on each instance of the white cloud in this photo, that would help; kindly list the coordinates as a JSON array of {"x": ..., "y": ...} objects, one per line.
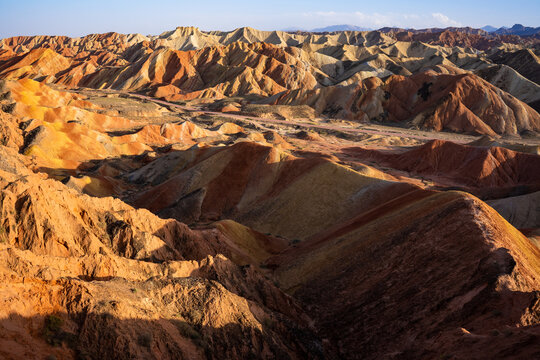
[
  {"x": 445, "y": 20},
  {"x": 376, "y": 20}
]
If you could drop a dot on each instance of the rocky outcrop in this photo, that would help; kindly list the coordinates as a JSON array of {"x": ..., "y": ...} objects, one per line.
[
  {"x": 524, "y": 61},
  {"x": 81, "y": 272}
]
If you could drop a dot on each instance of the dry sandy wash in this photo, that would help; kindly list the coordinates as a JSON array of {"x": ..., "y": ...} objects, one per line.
[{"x": 274, "y": 195}]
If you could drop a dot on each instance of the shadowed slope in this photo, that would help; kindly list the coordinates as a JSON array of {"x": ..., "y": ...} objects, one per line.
[{"x": 406, "y": 283}]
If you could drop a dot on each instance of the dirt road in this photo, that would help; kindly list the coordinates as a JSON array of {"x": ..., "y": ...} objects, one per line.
[{"x": 361, "y": 129}]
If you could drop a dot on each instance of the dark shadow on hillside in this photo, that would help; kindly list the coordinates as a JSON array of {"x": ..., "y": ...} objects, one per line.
[{"x": 88, "y": 335}]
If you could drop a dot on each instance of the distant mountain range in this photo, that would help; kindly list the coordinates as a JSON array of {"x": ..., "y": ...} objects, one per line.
[
  {"x": 331, "y": 28},
  {"x": 467, "y": 30},
  {"x": 489, "y": 28},
  {"x": 517, "y": 29},
  {"x": 343, "y": 27}
]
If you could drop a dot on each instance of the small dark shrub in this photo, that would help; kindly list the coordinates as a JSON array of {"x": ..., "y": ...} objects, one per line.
[
  {"x": 424, "y": 92},
  {"x": 187, "y": 331},
  {"x": 8, "y": 108},
  {"x": 52, "y": 331},
  {"x": 195, "y": 316},
  {"x": 53, "y": 323},
  {"x": 145, "y": 340}
]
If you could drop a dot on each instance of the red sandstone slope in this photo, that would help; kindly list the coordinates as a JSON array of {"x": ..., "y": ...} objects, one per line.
[
  {"x": 463, "y": 37},
  {"x": 463, "y": 103},
  {"x": 455, "y": 38},
  {"x": 41, "y": 62},
  {"x": 442, "y": 276},
  {"x": 405, "y": 243},
  {"x": 46, "y": 65},
  {"x": 479, "y": 169},
  {"x": 237, "y": 69},
  {"x": 424, "y": 265},
  {"x": 111, "y": 42},
  {"x": 259, "y": 186},
  {"x": 459, "y": 103}
]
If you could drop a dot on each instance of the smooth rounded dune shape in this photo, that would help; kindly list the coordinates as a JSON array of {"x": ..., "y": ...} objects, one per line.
[{"x": 247, "y": 194}]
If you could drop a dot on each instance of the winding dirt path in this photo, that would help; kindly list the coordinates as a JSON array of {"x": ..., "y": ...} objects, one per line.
[{"x": 372, "y": 130}]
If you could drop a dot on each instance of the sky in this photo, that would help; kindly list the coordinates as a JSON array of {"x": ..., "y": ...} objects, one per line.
[{"x": 152, "y": 17}]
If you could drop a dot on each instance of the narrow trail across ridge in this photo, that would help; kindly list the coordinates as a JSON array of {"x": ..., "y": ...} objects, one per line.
[{"x": 405, "y": 133}]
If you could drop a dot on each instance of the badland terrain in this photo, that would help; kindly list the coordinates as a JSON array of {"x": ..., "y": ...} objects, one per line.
[{"x": 275, "y": 195}]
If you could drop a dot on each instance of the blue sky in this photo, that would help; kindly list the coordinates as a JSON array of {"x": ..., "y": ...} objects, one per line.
[{"x": 78, "y": 17}]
